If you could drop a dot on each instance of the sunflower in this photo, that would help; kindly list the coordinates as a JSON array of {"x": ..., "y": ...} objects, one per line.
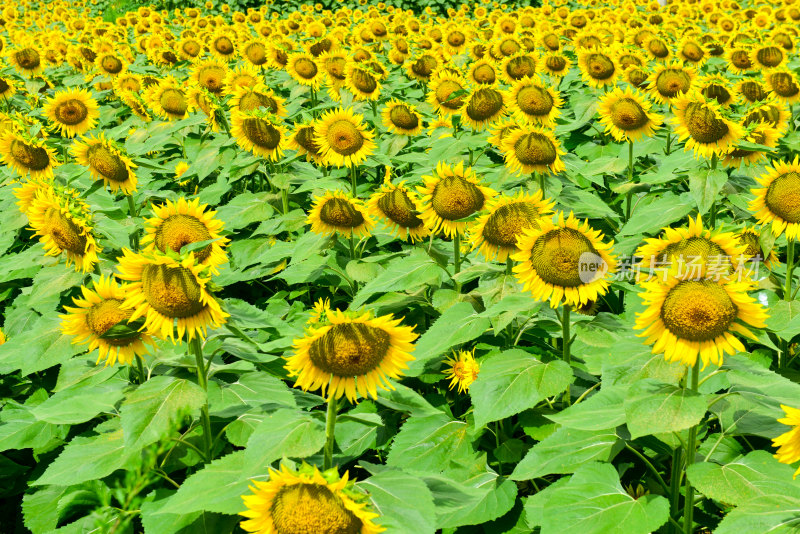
[
  {"x": 251, "y": 98},
  {"x": 777, "y": 200},
  {"x": 701, "y": 123},
  {"x": 768, "y": 57},
  {"x": 692, "y": 51},
  {"x": 307, "y": 501},
  {"x": 92, "y": 318},
  {"x": 752, "y": 90},
  {"x": 423, "y": 66},
  {"x": 667, "y": 82},
  {"x": 771, "y": 111},
  {"x": 555, "y": 64},
  {"x": 27, "y": 59},
  {"x": 517, "y": 66},
  {"x": 783, "y": 84},
  {"x": 495, "y": 234},
  {"x": 598, "y": 67},
  {"x": 530, "y": 100},
  {"x": 163, "y": 289},
  {"x": 334, "y": 212},
  {"x": 72, "y": 112},
  {"x": 28, "y": 156},
  {"x": 694, "y": 251},
  {"x": 627, "y": 116},
  {"x": 168, "y": 98},
  {"x": 106, "y": 162},
  {"x": 396, "y": 206},
  {"x": 718, "y": 87},
  {"x": 303, "y": 67},
  {"x": 362, "y": 81},
  {"x": 450, "y": 195},
  {"x": 343, "y": 138},
  {"x": 181, "y": 223},
  {"x": 401, "y": 118},
  {"x": 302, "y": 140},
  {"x": 687, "y": 317},
  {"x": 110, "y": 64},
  {"x": 352, "y": 356},
  {"x": 739, "y": 60},
  {"x": 565, "y": 260},
  {"x": 63, "y": 223},
  {"x": 242, "y": 76},
  {"x": 260, "y": 133},
  {"x": 210, "y": 74},
  {"x": 127, "y": 82},
  {"x": 136, "y": 105},
  {"x": 254, "y": 52},
  {"x": 483, "y": 72},
  {"x": 482, "y": 107},
  {"x": 762, "y": 134},
  {"x": 755, "y": 251},
  {"x": 26, "y": 193},
  {"x": 446, "y": 93},
  {"x": 223, "y": 44},
  {"x": 189, "y": 48},
  {"x": 462, "y": 370},
  {"x": 8, "y": 87},
  {"x": 532, "y": 149},
  {"x": 789, "y": 443}
]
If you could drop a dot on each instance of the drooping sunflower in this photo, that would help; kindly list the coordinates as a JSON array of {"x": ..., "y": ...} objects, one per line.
[
  {"x": 63, "y": 223},
  {"x": 446, "y": 93},
  {"x": 92, "y": 318},
  {"x": 110, "y": 64},
  {"x": 532, "y": 149},
  {"x": 482, "y": 107},
  {"x": 260, "y": 133},
  {"x": 396, "y": 206},
  {"x": 136, "y": 104},
  {"x": 768, "y": 56},
  {"x": 783, "y": 84},
  {"x": 771, "y": 111},
  {"x": 26, "y": 193},
  {"x": 164, "y": 289},
  {"x": 739, "y": 60},
  {"x": 244, "y": 75},
  {"x": 690, "y": 317},
  {"x": 762, "y": 134},
  {"x": 517, "y": 67},
  {"x": 598, "y": 67},
  {"x": 223, "y": 44},
  {"x": 189, "y": 48},
  {"x": 251, "y": 98},
  {"x": 752, "y": 90},
  {"x": 692, "y": 51},
  {"x": 718, "y": 87},
  {"x": 626, "y": 114},
  {"x": 755, "y": 251},
  {"x": 302, "y": 140},
  {"x": 693, "y": 251},
  {"x": 788, "y": 443},
  {"x": 334, "y": 212},
  {"x": 777, "y": 200},
  {"x": 8, "y": 87},
  {"x": 495, "y": 234},
  {"x": 532, "y": 101},
  {"x": 181, "y": 223},
  {"x": 343, "y": 139},
  {"x": 106, "y": 162},
  {"x": 27, "y": 59},
  {"x": 555, "y": 64},
  {"x": 564, "y": 260},
  {"x": 701, "y": 123},
  {"x": 28, "y": 156},
  {"x": 211, "y": 74},
  {"x": 254, "y": 52},
  {"x": 303, "y": 67},
  {"x": 362, "y": 81},
  {"x": 72, "y": 112},
  {"x": 168, "y": 98},
  {"x": 452, "y": 194},
  {"x": 483, "y": 72},
  {"x": 667, "y": 82},
  {"x": 401, "y": 118},
  {"x": 127, "y": 82},
  {"x": 352, "y": 356},
  {"x": 424, "y": 65},
  {"x": 306, "y": 500},
  {"x": 462, "y": 370}
]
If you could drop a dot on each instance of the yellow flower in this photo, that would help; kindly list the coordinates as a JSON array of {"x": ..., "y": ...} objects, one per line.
[
  {"x": 343, "y": 139},
  {"x": 626, "y": 114},
  {"x": 532, "y": 149},
  {"x": 666, "y": 82},
  {"x": 29, "y": 157},
  {"x": 700, "y": 122},
  {"x": 783, "y": 84},
  {"x": 531, "y": 101},
  {"x": 211, "y": 74},
  {"x": 401, "y": 118},
  {"x": 463, "y": 370},
  {"x": 352, "y": 356},
  {"x": 777, "y": 200},
  {"x": 72, "y": 112},
  {"x": 168, "y": 98},
  {"x": 106, "y": 162},
  {"x": 483, "y": 107},
  {"x": 396, "y": 206},
  {"x": 335, "y": 212},
  {"x": 789, "y": 443},
  {"x": 260, "y": 133},
  {"x": 304, "y": 69},
  {"x": 445, "y": 93},
  {"x": 598, "y": 67}
]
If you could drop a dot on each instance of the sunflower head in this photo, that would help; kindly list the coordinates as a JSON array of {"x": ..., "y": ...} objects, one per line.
[
  {"x": 530, "y": 100},
  {"x": 397, "y": 207},
  {"x": 462, "y": 370},
  {"x": 259, "y": 132},
  {"x": 484, "y": 106},
  {"x": 334, "y": 212},
  {"x": 777, "y": 200},
  {"x": 343, "y": 139},
  {"x": 401, "y": 118},
  {"x": 598, "y": 67},
  {"x": 72, "y": 112},
  {"x": 626, "y": 114},
  {"x": 106, "y": 162},
  {"x": 701, "y": 122},
  {"x": 667, "y": 82},
  {"x": 27, "y": 155},
  {"x": 532, "y": 149}
]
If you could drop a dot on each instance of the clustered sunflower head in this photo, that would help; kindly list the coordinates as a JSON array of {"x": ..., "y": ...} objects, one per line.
[
  {"x": 259, "y": 132},
  {"x": 72, "y": 112},
  {"x": 702, "y": 124}
]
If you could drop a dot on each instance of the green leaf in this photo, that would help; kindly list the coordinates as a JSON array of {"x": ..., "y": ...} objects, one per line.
[
  {"x": 402, "y": 274},
  {"x": 654, "y": 216},
  {"x": 81, "y": 402},
  {"x": 599, "y": 412},
  {"x": 405, "y": 399},
  {"x": 37, "y": 508},
  {"x": 755, "y": 475},
  {"x": 653, "y": 407},
  {"x": 403, "y": 502},
  {"x": 513, "y": 381},
  {"x": 508, "y": 308},
  {"x": 586, "y": 204},
  {"x": 594, "y": 501},
  {"x": 775, "y": 514},
  {"x": 151, "y": 412},
  {"x": 39, "y": 347},
  {"x": 244, "y": 209},
  {"x": 705, "y": 185},
  {"x": 286, "y": 432},
  {"x": 250, "y": 391},
  {"x": 123, "y": 329},
  {"x": 565, "y": 450},
  {"x": 784, "y": 319},
  {"x": 458, "y": 324},
  {"x": 191, "y": 523},
  {"x": 484, "y": 497}
]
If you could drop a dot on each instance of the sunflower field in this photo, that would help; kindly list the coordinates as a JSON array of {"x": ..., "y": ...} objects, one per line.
[{"x": 357, "y": 268}]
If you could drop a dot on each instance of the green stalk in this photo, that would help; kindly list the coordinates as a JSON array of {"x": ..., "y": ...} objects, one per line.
[
  {"x": 565, "y": 346},
  {"x": 457, "y": 258},
  {"x": 330, "y": 425},
  {"x": 352, "y": 247},
  {"x": 509, "y": 266},
  {"x": 540, "y": 176},
  {"x": 669, "y": 142},
  {"x": 285, "y": 199},
  {"x": 629, "y": 194},
  {"x": 787, "y": 293},
  {"x": 675, "y": 486},
  {"x": 132, "y": 215},
  {"x": 202, "y": 379},
  {"x": 714, "y": 160},
  {"x": 353, "y": 181},
  {"x": 691, "y": 446},
  {"x": 140, "y": 366}
]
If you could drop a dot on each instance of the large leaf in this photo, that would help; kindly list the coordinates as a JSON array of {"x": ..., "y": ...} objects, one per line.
[
  {"x": 565, "y": 450},
  {"x": 659, "y": 213},
  {"x": 513, "y": 381},
  {"x": 599, "y": 412},
  {"x": 403, "y": 502},
  {"x": 705, "y": 184},
  {"x": 653, "y": 407},
  {"x": 484, "y": 497},
  {"x": 81, "y": 402},
  {"x": 401, "y": 274},
  {"x": 286, "y": 432},
  {"x": 775, "y": 514}
]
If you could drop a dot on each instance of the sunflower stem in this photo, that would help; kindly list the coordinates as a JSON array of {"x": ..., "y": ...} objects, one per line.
[
  {"x": 629, "y": 194},
  {"x": 352, "y": 247},
  {"x": 202, "y": 379},
  {"x": 132, "y": 215},
  {"x": 787, "y": 293},
  {"x": 285, "y": 199},
  {"x": 714, "y": 160},
  {"x": 691, "y": 445},
  {"x": 669, "y": 142},
  {"x": 457, "y": 260},
  {"x": 675, "y": 487},
  {"x": 140, "y": 367},
  {"x": 565, "y": 346},
  {"x": 330, "y": 426},
  {"x": 353, "y": 181},
  {"x": 509, "y": 266}
]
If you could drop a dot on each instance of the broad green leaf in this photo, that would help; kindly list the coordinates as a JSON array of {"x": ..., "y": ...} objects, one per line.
[
  {"x": 784, "y": 319},
  {"x": 39, "y": 347},
  {"x": 49, "y": 283},
  {"x": 594, "y": 502},
  {"x": 653, "y": 407},
  {"x": 599, "y": 412},
  {"x": 656, "y": 215},
  {"x": 483, "y": 497},
  {"x": 403, "y": 502},
  {"x": 81, "y": 402},
  {"x": 458, "y": 324},
  {"x": 405, "y": 399},
  {"x": 19, "y": 429},
  {"x": 585, "y": 204},
  {"x": 565, "y": 450},
  {"x": 286, "y": 432},
  {"x": 152, "y": 411},
  {"x": 513, "y": 381},
  {"x": 705, "y": 185},
  {"x": 775, "y": 514},
  {"x": 510, "y": 307},
  {"x": 250, "y": 391},
  {"x": 190, "y": 523},
  {"x": 244, "y": 209},
  {"x": 401, "y": 274},
  {"x": 40, "y": 514}
]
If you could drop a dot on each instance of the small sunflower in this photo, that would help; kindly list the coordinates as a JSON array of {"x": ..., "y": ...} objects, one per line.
[
  {"x": 127, "y": 82},
  {"x": 396, "y": 206},
  {"x": 401, "y": 118},
  {"x": 424, "y": 65},
  {"x": 667, "y": 82},
  {"x": 258, "y": 96},
  {"x": 692, "y": 51},
  {"x": 701, "y": 123},
  {"x": 777, "y": 200},
  {"x": 169, "y": 99},
  {"x": 8, "y": 87},
  {"x": 211, "y": 74},
  {"x": 352, "y": 356},
  {"x": 335, "y": 212},
  {"x": 189, "y": 48},
  {"x": 164, "y": 289},
  {"x": 530, "y": 100},
  {"x": 63, "y": 223},
  {"x": 446, "y": 93},
  {"x": 26, "y": 193},
  {"x": 254, "y": 52},
  {"x": 789, "y": 443},
  {"x": 484, "y": 106},
  {"x": 307, "y": 501},
  {"x": 532, "y": 149},
  {"x": 303, "y": 67},
  {"x": 343, "y": 139},
  {"x": 260, "y": 133},
  {"x": 565, "y": 260},
  {"x": 627, "y": 116},
  {"x": 657, "y": 49},
  {"x": 784, "y": 85},
  {"x": 462, "y": 370},
  {"x": 242, "y": 76},
  {"x": 27, "y": 59},
  {"x": 752, "y": 90},
  {"x": 362, "y": 81},
  {"x": 28, "y": 156},
  {"x": 762, "y": 134},
  {"x": 772, "y": 111},
  {"x": 739, "y": 60},
  {"x": 302, "y": 140},
  {"x": 718, "y": 87},
  {"x": 517, "y": 66},
  {"x": 555, "y": 64},
  {"x": 94, "y": 315},
  {"x": 223, "y": 44},
  {"x": 483, "y": 72},
  {"x": 181, "y": 223},
  {"x": 106, "y": 162},
  {"x": 755, "y": 251},
  {"x": 495, "y": 234},
  {"x": 72, "y": 112},
  {"x": 598, "y": 67},
  {"x": 687, "y": 318},
  {"x": 110, "y": 64},
  {"x": 768, "y": 57}
]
